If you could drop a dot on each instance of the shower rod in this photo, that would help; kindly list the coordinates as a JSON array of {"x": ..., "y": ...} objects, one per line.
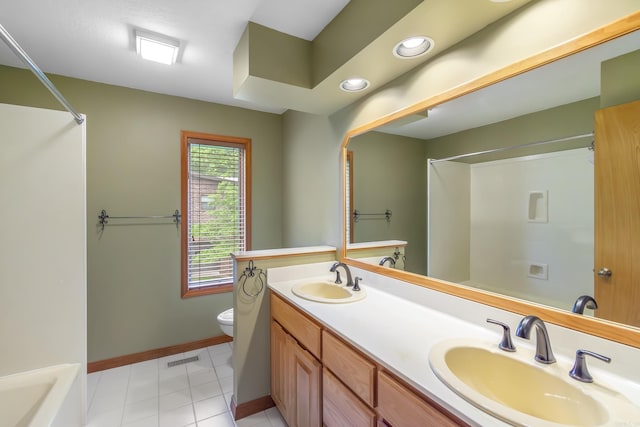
[
  {"x": 497, "y": 150},
  {"x": 15, "y": 47}
]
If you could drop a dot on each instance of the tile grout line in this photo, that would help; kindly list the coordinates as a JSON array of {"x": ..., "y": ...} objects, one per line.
[
  {"x": 126, "y": 394},
  {"x": 93, "y": 394},
  {"x": 193, "y": 406}
]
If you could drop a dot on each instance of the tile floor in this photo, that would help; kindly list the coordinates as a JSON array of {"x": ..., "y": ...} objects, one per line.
[{"x": 149, "y": 394}]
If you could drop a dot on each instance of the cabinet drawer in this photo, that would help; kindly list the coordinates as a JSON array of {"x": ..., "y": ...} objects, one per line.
[
  {"x": 303, "y": 329},
  {"x": 400, "y": 407},
  {"x": 341, "y": 408},
  {"x": 357, "y": 372}
]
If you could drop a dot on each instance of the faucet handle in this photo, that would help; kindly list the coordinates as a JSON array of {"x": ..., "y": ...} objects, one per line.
[
  {"x": 356, "y": 285},
  {"x": 505, "y": 343},
  {"x": 579, "y": 370},
  {"x": 338, "y": 280}
]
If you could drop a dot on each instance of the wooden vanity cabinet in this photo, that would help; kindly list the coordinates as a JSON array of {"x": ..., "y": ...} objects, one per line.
[
  {"x": 296, "y": 374},
  {"x": 346, "y": 389}
]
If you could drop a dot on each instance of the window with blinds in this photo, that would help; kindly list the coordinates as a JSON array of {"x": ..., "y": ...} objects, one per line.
[{"x": 215, "y": 199}]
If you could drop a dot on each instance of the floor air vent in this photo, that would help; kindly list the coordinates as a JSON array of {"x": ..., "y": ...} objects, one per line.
[{"x": 182, "y": 361}]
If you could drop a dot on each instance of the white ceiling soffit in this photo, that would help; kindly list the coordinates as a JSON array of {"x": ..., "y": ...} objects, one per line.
[
  {"x": 93, "y": 40},
  {"x": 447, "y": 22},
  {"x": 568, "y": 80}
]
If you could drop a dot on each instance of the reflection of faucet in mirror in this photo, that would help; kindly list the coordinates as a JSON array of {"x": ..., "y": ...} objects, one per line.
[
  {"x": 584, "y": 301},
  {"x": 544, "y": 354},
  {"x": 392, "y": 262},
  {"x": 334, "y": 269}
]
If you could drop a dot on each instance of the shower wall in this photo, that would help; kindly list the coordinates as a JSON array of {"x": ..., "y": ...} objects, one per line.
[{"x": 43, "y": 263}]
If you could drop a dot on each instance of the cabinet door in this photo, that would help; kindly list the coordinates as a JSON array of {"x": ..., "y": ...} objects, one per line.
[
  {"x": 307, "y": 372},
  {"x": 400, "y": 407},
  {"x": 295, "y": 380},
  {"x": 281, "y": 378}
]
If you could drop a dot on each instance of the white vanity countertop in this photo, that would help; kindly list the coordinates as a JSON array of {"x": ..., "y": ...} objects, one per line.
[
  {"x": 379, "y": 244},
  {"x": 271, "y": 253},
  {"x": 398, "y": 332}
]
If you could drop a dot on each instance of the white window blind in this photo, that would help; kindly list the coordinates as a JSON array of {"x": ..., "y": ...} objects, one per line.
[{"x": 216, "y": 211}]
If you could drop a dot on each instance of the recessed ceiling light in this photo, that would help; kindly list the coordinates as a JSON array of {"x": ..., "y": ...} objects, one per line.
[
  {"x": 412, "y": 47},
  {"x": 156, "y": 47},
  {"x": 354, "y": 84}
]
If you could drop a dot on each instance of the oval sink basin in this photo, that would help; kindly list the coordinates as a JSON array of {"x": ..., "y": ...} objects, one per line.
[
  {"x": 327, "y": 292},
  {"x": 520, "y": 392}
]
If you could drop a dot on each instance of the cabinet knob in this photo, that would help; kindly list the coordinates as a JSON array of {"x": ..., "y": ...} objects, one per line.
[{"x": 604, "y": 272}]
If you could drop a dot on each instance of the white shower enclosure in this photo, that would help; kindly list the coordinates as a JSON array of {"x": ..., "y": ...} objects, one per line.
[
  {"x": 522, "y": 226},
  {"x": 43, "y": 242}
]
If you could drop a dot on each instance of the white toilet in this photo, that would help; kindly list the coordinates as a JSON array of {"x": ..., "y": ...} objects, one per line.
[{"x": 225, "y": 320}]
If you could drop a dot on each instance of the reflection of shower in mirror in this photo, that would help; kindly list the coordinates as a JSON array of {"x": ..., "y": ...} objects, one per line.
[{"x": 489, "y": 223}]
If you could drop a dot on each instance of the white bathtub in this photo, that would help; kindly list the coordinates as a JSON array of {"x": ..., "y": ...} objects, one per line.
[{"x": 33, "y": 398}]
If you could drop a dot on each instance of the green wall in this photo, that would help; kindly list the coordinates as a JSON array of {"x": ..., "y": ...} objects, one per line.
[
  {"x": 563, "y": 121},
  {"x": 311, "y": 182},
  {"x": 133, "y": 168},
  {"x": 620, "y": 82},
  {"x": 389, "y": 172}
]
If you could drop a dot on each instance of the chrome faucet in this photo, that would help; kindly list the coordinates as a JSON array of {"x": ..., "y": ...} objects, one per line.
[
  {"x": 392, "y": 262},
  {"x": 505, "y": 343},
  {"x": 579, "y": 370},
  {"x": 584, "y": 301},
  {"x": 334, "y": 269},
  {"x": 543, "y": 345},
  {"x": 356, "y": 285}
]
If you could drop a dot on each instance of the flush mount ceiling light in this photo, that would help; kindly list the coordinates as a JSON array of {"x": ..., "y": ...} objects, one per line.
[
  {"x": 156, "y": 47},
  {"x": 412, "y": 47},
  {"x": 354, "y": 84}
]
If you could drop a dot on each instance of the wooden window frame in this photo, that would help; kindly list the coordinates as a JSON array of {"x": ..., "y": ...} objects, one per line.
[
  {"x": 187, "y": 137},
  {"x": 350, "y": 191}
]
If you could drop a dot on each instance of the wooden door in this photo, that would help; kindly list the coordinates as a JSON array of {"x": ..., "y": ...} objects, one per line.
[{"x": 617, "y": 213}]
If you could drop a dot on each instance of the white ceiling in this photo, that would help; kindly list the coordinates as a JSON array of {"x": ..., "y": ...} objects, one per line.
[{"x": 92, "y": 40}]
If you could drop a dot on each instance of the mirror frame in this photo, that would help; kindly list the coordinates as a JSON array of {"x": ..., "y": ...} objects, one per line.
[{"x": 598, "y": 327}]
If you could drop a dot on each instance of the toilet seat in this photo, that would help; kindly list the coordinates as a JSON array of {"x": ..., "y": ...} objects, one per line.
[
  {"x": 225, "y": 321},
  {"x": 226, "y": 317}
]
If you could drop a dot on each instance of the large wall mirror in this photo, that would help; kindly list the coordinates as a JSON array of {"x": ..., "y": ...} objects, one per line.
[{"x": 495, "y": 191}]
